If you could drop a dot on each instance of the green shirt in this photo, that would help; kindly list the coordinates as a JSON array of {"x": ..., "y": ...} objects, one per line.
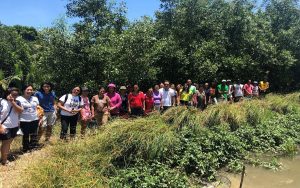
[
  {"x": 193, "y": 89},
  {"x": 223, "y": 90}
]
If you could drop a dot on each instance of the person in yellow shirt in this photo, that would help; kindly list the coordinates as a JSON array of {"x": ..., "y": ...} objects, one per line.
[
  {"x": 263, "y": 87},
  {"x": 185, "y": 96}
]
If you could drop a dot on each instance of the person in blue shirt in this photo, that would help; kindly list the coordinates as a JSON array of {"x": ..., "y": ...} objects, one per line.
[{"x": 46, "y": 97}]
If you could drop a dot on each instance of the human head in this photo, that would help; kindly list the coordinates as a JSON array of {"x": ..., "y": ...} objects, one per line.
[
  {"x": 161, "y": 85},
  {"x": 111, "y": 88},
  {"x": 85, "y": 91},
  {"x": 178, "y": 87},
  {"x": 201, "y": 88},
  {"x": 249, "y": 82},
  {"x": 255, "y": 83},
  {"x": 189, "y": 82},
  {"x": 14, "y": 92},
  {"x": 186, "y": 87},
  {"x": 150, "y": 92},
  {"x": 223, "y": 82},
  {"x": 46, "y": 87},
  {"x": 76, "y": 91},
  {"x": 156, "y": 87},
  {"x": 228, "y": 82},
  {"x": 173, "y": 86},
  {"x": 101, "y": 90},
  {"x": 136, "y": 88},
  {"x": 123, "y": 90},
  {"x": 166, "y": 84},
  {"x": 206, "y": 85},
  {"x": 27, "y": 90}
]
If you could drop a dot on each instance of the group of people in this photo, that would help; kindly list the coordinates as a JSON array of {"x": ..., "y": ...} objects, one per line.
[{"x": 34, "y": 113}]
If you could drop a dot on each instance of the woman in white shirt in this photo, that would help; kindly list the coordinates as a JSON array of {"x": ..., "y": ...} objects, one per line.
[
  {"x": 29, "y": 120},
  {"x": 9, "y": 121},
  {"x": 70, "y": 105}
]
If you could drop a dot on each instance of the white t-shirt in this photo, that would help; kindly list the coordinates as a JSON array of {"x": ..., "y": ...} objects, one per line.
[
  {"x": 167, "y": 96},
  {"x": 12, "y": 120},
  {"x": 71, "y": 103},
  {"x": 30, "y": 108},
  {"x": 238, "y": 90}
]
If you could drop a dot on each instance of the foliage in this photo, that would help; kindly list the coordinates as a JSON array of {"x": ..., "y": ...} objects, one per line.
[{"x": 173, "y": 152}]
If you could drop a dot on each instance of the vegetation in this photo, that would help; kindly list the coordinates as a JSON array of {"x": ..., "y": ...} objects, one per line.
[
  {"x": 196, "y": 39},
  {"x": 182, "y": 148}
]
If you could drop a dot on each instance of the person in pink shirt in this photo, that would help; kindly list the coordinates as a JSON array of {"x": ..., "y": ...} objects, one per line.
[
  {"x": 86, "y": 115},
  {"x": 248, "y": 88},
  {"x": 115, "y": 100}
]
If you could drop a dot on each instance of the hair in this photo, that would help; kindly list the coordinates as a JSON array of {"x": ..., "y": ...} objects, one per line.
[
  {"x": 9, "y": 91},
  {"x": 80, "y": 90},
  {"x": 47, "y": 83},
  {"x": 26, "y": 86}
]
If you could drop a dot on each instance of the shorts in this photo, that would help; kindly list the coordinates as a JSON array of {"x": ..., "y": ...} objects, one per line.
[
  {"x": 11, "y": 133},
  {"x": 49, "y": 118}
]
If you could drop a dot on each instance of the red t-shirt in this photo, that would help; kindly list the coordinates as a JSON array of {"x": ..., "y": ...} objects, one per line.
[
  {"x": 149, "y": 103},
  {"x": 136, "y": 101}
]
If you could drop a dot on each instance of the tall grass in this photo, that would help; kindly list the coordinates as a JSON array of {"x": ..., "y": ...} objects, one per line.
[{"x": 116, "y": 151}]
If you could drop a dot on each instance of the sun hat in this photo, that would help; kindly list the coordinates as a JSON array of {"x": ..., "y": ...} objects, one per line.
[
  {"x": 84, "y": 88},
  {"x": 112, "y": 85},
  {"x": 223, "y": 80},
  {"x": 123, "y": 88}
]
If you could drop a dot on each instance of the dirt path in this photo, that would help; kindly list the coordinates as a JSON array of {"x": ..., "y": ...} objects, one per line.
[{"x": 10, "y": 176}]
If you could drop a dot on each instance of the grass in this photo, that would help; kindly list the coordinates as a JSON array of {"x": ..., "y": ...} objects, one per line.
[{"x": 183, "y": 142}]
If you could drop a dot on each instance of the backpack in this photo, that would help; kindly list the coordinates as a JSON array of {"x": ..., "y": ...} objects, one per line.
[{"x": 66, "y": 98}]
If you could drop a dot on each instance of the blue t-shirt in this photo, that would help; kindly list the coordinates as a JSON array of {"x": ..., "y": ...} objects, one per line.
[{"x": 46, "y": 100}]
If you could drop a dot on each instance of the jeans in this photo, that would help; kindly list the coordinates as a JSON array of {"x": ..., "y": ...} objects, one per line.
[
  {"x": 29, "y": 130},
  {"x": 67, "y": 121}
]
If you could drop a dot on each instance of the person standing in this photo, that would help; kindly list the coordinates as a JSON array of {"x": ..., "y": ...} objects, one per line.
[
  {"x": 29, "y": 120},
  {"x": 263, "y": 87},
  {"x": 70, "y": 105},
  {"x": 115, "y": 100},
  {"x": 222, "y": 91},
  {"x": 213, "y": 93},
  {"x": 238, "y": 91},
  {"x": 191, "y": 86},
  {"x": 124, "y": 97},
  {"x": 149, "y": 101},
  {"x": 136, "y": 102},
  {"x": 157, "y": 98},
  {"x": 168, "y": 96},
  {"x": 10, "y": 110},
  {"x": 255, "y": 90},
  {"x": 100, "y": 107},
  {"x": 248, "y": 87},
  {"x": 185, "y": 96},
  {"x": 230, "y": 91},
  {"x": 207, "y": 93},
  {"x": 46, "y": 97},
  {"x": 201, "y": 98},
  {"x": 86, "y": 114}
]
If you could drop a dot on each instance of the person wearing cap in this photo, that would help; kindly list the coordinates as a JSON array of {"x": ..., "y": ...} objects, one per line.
[
  {"x": 86, "y": 114},
  {"x": 115, "y": 100},
  {"x": 136, "y": 102},
  {"x": 230, "y": 90},
  {"x": 100, "y": 105},
  {"x": 124, "y": 97},
  {"x": 222, "y": 91},
  {"x": 238, "y": 91},
  {"x": 248, "y": 87},
  {"x": 255, "y": 90}
]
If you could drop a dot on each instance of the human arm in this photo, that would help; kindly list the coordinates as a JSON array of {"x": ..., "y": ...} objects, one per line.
[{"x": 18, "y": 108}]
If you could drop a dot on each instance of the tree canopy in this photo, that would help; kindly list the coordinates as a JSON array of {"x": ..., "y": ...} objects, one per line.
[{"x": 197, "y": 39}]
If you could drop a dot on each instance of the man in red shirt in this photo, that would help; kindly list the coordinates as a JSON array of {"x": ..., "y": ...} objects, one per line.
[
  {"x": 248, "y": 87},
  {"x": 136, "y": 102}
]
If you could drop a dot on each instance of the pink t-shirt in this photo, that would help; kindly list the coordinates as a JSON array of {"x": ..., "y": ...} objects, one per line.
[
  {"x": 248, "y": 88},
  {"x": 115, "y": 101},
  {"x": 86, "y": 110}
]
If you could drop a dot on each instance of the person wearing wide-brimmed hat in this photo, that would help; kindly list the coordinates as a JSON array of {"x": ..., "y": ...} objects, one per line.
[{"x": 115, "y": 100}]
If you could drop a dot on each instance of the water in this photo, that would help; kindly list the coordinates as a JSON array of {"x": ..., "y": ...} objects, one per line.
[{"x": 288, "y": 177}]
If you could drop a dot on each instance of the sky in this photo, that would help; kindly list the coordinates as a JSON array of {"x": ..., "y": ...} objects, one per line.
[{"x": 42, "y": 13}]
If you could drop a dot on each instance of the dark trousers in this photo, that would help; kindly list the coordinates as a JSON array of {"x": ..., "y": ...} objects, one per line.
[
  {"x": 67, "y": 121},
  {"x": 137, "y": 111},
  {"x": 29, "y": 130}
]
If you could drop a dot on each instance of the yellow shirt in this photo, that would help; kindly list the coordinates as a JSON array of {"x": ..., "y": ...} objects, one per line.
[
  {"x": 263, "y": 85},
  {"x": 185, "y": 96}
]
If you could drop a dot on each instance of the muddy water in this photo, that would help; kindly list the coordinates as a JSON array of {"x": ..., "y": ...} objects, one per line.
[{"x": 288, "y": 177}]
